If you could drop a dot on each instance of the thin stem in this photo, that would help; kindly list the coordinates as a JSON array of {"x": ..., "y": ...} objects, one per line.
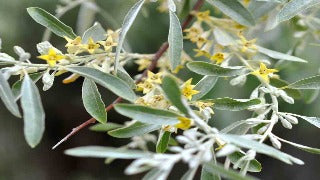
[{"x": 152, "y": 66}]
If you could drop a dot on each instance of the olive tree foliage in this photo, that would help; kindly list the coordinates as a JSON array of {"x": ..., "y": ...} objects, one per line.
[{"x": 167, "y": 109}]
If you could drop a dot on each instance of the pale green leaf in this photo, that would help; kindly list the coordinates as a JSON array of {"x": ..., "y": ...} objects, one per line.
[
  {"x": 209, "y": 69},
  {"x": 96, "y": 32},
  {"x": 163, "y": 141},
  {"x": 92, "y": 101},
  {"x": 235, "y": 10},
  {"x": 135, "y": 129},
  {"x": 124, "y": 75},
  {"x": 204, "y": 86},
  {"x": 228, "y": 174},
  {"x": 302, "y": 147},
  {"x": 49, "y": 21},
  {"x": 279, "y": 55},
  {"x": 33, "y": 113},
  {"x": 105, "y": 152},
  {"x": 114, "y": 84},
  {"x": 233, "y": 104},
  {"x": 147, "y": 114},
  {"x": 307, "y": 83},
  {"x": 126, "y": 25},
  {"x": 259, "y": 9},
  {"x": 207, "y": 175},
  {"x": 294, "y": 7},
  {"x": 105, "y": 127},
  {"x": 6, "y": 58},
  {"x": 254, "y": 166},
  {"x": 260, "y": 148},
  {"x": 173, "y": 93},
  {"x": 175, "y": 40},
  {"x": 222, "y": 37},
  {"x": 8, "y": 97}
]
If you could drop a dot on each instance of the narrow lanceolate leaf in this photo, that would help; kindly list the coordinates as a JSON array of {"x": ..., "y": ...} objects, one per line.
[
  {"x": 307, "y": 83},
  {"x": 163, "y": 141},
  {"x": 7, "y": 96},
  {"x": 92, "y": 101},
  {"x": 175, "y": 39},
  {"x": 295, "y": 93},
  {"x": 235, "y": 10},
  {"x": 105, "y": 152},
  {"x": 233, "y": 104},
  {"x": 294, "y": 7},
  {"x": 254, "y": 166},
  {"x": 114, "y": 84},
  {"x": 49, "y": 21},
  {"x": 126, "y": 25},
  {"x": 105, "y": 127},
  {"x": 260, "y": 148},
  {"x": 226, "y": 173},
  {"x": 96, "y": 32},
  {"x": 302, "y": 147},
  {"x": 279, "y": 55},
  {"x": 204, "y": 86},
  {"x": 33, "y": 113},
  {"x": 222, "y": 37},
  {"x": 206, "y": 175},
  {"x": 147, "y": 114},
  {"x": 16, "y": 87},
  {"x": 209, "y": 69},
  {"x": 312, "y": 120},
  {"x": 125, "y": 76},
  {"x": 135, "y": 129},
  {"x": 172, "y": 92}
]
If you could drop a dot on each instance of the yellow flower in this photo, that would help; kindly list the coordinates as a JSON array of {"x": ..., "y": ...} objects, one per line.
[
  {"x": 145, "y": 87},
  {"x": 108, "y": 44},
  {"x": 201, "y": 52},
  {"x": 52, "y": 57},
  {"x": 91, "y": 46},
  {"x": 187, "y": 89},
  {"x": 202, "y": 105},
  {"x": 73, "y": 42},
  {"x": 177, "y": 69},
  {"x": 154, "y": 78},
  {"x": 184, "y": 124},
  {"x": 141, "y": 101},
  {"x": 200, "y": 41},
  {"x": 143, "y": 64},
  {"x": 203, "y": 16},
  {"x": 247, "y": 44},
  {"x": 218, "y": 57},
  {"x": 246, "y": 2},
  {"x": 264, "y": 72}
]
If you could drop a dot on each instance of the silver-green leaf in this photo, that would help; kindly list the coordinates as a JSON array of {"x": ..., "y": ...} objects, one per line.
[
  {"x": 260, "y": 148},
  {"x": 235, "y": 10},
  {"x": 135, "y": 129},
  {"x": 105, "y": 127},
  {"x": 105, "y": 152},
  {"x": 51, "y": 22},
  {"x": 307, "y": 83},
  {"x": 92, "y": 101},
  {"x": 33, "y": 113},
  {"x": 147, "y": 115},
  {"x": 96, "y": 32},
  {"x": 209, "y": 69},
  {"x": 294, "y": 7},
  {"x": 175, "y": 40},
  {"x": 163, "y": 140},
  {"x": 126, "y": 25},
  {"x": 204, "y": 86},
  {"x": 279, "y": 55},
  {"x": 114, "y": 84},
  {"x": 233, "y": 104},
  {"x": 7, "y": 96},
  {"x": 173, "y": 93}
]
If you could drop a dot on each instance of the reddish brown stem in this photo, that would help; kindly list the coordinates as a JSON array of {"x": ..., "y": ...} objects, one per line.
[{"x": 151, "y": 67}]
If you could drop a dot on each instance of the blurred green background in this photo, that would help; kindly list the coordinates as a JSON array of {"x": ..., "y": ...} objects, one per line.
[{"x": 64, "y": 109}]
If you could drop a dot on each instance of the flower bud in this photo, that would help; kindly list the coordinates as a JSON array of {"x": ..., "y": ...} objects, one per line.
[
  {"x": 47, "y": 80},
  {"x": 262, "y": 129},
  {"x": 240, "y": 80},
  {"x": 285, "y": 97},
  {"x": 291, "y": 119},
  {"x": 275, "y": 142},
  {"x": 285, "y": 123}
]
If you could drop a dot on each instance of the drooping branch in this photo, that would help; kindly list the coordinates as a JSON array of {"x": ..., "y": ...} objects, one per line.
[{"x": 151, "y": 67}]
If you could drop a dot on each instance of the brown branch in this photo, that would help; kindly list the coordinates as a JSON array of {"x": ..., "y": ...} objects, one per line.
[{"x": 151, "y": 67}]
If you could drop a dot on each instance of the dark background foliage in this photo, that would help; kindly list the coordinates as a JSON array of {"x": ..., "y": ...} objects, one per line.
[{"x": 64, "y": 109}]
